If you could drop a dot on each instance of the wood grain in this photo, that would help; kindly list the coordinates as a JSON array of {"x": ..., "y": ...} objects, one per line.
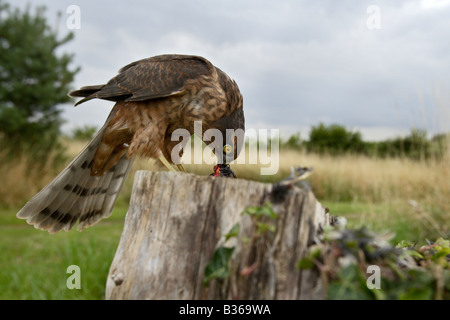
[{"x": 176, "y": 221}]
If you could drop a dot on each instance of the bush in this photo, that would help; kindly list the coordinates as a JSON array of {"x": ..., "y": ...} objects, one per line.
[
  {"x": 294, "y": 142},
  {"x": 334, "y": 139},
  {"x": 347, "y": 259},
  {"x": 414, "y": 146}
]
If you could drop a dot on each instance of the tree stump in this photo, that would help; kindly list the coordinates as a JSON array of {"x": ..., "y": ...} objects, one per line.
[{"x": 176, "y": 222}]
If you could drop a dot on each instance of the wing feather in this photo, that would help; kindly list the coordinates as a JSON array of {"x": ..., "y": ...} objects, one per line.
[{"x": 147, "y": 79}]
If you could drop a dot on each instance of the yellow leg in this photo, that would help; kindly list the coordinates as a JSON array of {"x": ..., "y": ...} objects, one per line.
[
  {"x": 181, "y": 168},
  {"x": 166, "y": 163}
]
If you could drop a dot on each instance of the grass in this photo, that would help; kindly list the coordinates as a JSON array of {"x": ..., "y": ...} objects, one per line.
[
  {"x": 396, "y": 218},
  {"x": 408, "y": 198},
  {"x": 34, "y": 264}
]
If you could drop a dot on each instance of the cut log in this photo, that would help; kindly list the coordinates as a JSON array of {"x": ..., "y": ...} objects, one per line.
[{"x": 176, "y": 222}]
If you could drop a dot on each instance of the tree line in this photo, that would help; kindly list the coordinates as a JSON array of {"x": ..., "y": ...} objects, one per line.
[{"x": 336, "y": 139}]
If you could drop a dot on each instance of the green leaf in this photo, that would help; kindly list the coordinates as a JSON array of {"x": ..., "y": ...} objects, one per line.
[
  {"x": 305, "y": 263},
  {"x": 234, "y": 231},
  {"x": 412, "y": 293},
  {"x": 264, "y": 227},
  {"x": 245, "y": 240},
  {"x": 442, "y": 253},
  {"x": 443, "y": 243},
  {"x": 414, "y": 253},
  {"x": 218, "y": 267},
  {"x": 308, "y": 261},
  {"x": 315, "y": 251},
  {"x": 259, "y": 212},
  {"x": 349, "y": 286},
  {"x": 405, "y": 244}
]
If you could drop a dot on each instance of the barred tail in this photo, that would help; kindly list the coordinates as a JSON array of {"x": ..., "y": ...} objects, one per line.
[{"x": 75, "y": 195}]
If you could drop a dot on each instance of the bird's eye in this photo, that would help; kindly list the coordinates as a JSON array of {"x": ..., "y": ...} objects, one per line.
[{"x": 227, "y": 148}]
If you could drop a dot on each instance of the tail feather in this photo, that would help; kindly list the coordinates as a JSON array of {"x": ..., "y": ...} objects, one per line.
[{"x": 76, "y": 196}]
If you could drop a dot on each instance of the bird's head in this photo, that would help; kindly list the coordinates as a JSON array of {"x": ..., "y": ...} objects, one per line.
[
  {"x": 227, "y": 143},
  {"x": 231, "y": 127},
  {"x": 226, "y": 151}
]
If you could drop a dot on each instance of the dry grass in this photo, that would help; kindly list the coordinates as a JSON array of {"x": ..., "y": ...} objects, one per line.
[
  {"x": 335, "y": 178},
  {"x": 21, "y": 179},
  {"x": 385, "y": 194},
  {"x": 355, "y": 177}
]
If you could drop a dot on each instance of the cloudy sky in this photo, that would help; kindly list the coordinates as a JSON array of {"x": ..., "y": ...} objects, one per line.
[{"x": 380, "y": 67}]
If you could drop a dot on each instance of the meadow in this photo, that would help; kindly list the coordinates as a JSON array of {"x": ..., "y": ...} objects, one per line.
[{"x": 404, "y": 197}]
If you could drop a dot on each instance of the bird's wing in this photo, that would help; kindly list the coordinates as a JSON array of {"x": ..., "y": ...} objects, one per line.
[
  {"x": 150, "y": 78},
  {"x": 74, "y": 195}
]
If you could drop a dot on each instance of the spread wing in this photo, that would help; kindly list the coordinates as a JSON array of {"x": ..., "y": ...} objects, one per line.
[{"x": 146, "y": 79}]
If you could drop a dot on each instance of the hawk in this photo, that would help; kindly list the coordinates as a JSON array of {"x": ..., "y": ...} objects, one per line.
[{"x": 153, "y": 98}]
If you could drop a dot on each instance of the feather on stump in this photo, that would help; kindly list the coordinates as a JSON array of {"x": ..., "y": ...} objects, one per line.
[{"x": 177, "y": 222}]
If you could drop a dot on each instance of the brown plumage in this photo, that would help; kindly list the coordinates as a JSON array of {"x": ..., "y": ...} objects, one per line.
[{"x": 154, "y": 97}]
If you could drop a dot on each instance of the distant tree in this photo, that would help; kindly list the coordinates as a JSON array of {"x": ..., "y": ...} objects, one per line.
[
  {"x": 416, "y": 145},
  {"x": 334, "y": 139},
  {"x": 293, "y": 142},
  {"x": 84, "y": 133},
  {"x": 34, "y": 78},
  {"x": 440, "y": 144}
]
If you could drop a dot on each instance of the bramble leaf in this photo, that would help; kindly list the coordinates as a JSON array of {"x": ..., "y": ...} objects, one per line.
[{"x": 218, "y": 267}]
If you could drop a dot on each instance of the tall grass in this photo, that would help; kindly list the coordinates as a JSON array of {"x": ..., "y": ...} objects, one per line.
[
  {"x": 410, "y": 189},
  {"x": 357, "y": 177},
  {"x": 22, "y": 178},
  {"x": 407, "y": 196}
]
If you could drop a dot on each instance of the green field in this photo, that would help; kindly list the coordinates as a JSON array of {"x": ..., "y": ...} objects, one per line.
[{"x": 33, "y": 263}]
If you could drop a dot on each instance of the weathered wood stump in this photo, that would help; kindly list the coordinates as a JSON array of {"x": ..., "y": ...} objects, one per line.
[{"x": 176, "y": 221}]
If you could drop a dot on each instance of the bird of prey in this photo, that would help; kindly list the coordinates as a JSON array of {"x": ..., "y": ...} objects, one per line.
[{"x": 153, "y": 98}]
